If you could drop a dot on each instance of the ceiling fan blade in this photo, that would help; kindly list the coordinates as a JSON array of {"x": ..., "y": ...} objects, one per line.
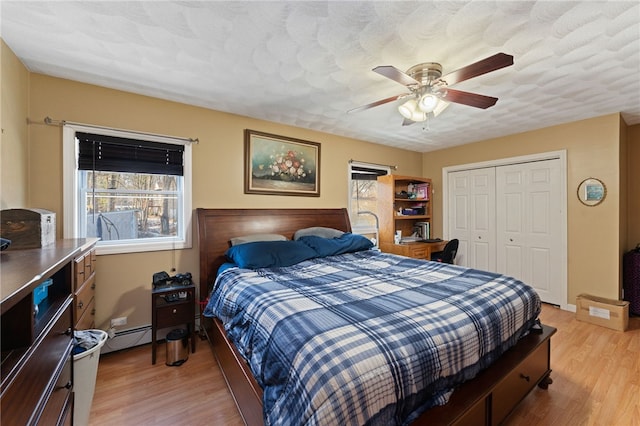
[
  {"x": 395, "y": 74},
  {"x": 471, "y": 99},
  {"x": 377, "y": 103},
  {"x": 492, "y": 63}
]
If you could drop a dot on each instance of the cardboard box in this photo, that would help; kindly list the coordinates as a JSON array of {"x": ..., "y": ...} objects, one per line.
[
  {"x": 608, "y": 313},
  {"x": 28, "y": 228}
]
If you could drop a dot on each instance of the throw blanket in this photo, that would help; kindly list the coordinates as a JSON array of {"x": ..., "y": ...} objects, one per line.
[{"x": 367, "y": 337}]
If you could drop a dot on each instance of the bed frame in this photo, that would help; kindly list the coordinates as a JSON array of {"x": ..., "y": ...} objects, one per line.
[{"x": 487, "y": 399}]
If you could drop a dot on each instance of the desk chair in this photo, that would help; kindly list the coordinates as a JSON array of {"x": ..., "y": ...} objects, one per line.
[{"x": 448, "y": 254}]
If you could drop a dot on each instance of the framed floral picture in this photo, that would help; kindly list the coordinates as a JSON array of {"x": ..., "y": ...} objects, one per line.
[{"x": 279, "y": 165}]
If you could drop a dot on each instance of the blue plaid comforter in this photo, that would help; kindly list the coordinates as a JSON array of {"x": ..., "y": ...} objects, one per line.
[{"x": 367, "y": 337}]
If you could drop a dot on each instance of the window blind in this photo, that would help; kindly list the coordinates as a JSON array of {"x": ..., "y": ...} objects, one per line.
[
  {"x": 116, "y": 154},
  {"x": 366, "y": 173}
]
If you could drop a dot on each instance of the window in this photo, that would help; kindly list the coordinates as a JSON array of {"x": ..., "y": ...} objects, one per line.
[
  {"x": 133, "y": 191},
  {"x": 363, "y": 195}
]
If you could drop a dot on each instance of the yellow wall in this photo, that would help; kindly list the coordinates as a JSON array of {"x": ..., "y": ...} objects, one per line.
[
  {"x": 125, "y": 280},
  {"x": 633, "y": 187},
  {"x": 13, "y": 137},
  {"x": 593, "y": 234}
]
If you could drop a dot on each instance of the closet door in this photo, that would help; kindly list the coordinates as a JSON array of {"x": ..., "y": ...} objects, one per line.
[
  {"x": 472, "y": 217},
  {"x": 528, "y": 226}
]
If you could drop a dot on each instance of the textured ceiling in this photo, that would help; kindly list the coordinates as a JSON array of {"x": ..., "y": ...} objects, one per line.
[{"x": 307, "y": 63}]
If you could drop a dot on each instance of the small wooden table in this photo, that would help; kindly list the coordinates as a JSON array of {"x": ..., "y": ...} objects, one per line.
[
  {"x": 417, "y": 250},
  {"x": 172, "y": 306}
]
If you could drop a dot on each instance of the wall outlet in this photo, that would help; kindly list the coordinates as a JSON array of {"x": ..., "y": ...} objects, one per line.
[{"x": 115, "y": 322}]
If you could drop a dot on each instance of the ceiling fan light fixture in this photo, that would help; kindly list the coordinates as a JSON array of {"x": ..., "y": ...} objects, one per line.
[
  {"x": 428, "y": 103},
  {"x": 408, "y": 108},
  {"x": 419, "y": 115},
  {"x": 442, "y": 105}
]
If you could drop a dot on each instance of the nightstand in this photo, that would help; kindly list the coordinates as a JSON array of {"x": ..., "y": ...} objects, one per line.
[{"x": 170, "y": 307}]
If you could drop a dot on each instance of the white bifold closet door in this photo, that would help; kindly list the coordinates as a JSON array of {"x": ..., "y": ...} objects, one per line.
[
  {"x": 507, "y": 219},
  {"x": 472, "y": 199},
  {"x": 528, "y": 225}
]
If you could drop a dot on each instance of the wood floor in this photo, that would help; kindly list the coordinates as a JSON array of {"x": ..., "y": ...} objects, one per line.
[{"x": 596, "y": 381}]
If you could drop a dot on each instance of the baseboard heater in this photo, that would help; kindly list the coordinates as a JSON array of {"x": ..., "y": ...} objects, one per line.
[
  {"x": 126, "y": 339},
  {"x": 132, "y": 337}
]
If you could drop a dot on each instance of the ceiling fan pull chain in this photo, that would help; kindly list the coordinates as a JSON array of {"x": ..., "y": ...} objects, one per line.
[{"x": 426, "y": 124}]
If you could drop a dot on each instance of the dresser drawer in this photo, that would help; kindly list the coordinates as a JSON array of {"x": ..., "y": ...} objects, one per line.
[
  {"x": 84, "y": 296},
  {"x": 23, "y": 398},
  {"x": 84, "y": 267},
  {"x": 87, "y": 319},
  {"x": 418, "y": 252},
  {"x": 89, "y": 263},
  {"x": 80, "y": 277},
  {"x": 176, "y": 313},
  {"x": 519, "y": 382},
  {"x": 54, "y": 412}
]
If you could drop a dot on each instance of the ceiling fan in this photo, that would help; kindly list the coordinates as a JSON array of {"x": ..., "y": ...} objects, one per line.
[{"x": 429, "y": 90}]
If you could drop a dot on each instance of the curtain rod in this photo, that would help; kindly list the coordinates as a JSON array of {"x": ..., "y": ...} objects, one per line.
[
  {"x": 373, "y": 164},
  {"x": 51, "y": 122}
]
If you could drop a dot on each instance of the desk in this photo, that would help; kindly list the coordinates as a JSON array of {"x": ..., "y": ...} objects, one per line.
[{"x": 417, "y": 250}]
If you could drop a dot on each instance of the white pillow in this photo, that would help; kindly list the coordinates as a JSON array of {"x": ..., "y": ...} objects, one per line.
[{"x": 257, "y": 237}]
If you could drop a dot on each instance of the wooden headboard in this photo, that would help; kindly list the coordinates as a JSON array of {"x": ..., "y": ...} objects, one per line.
[{"x": 216, "y": 227}]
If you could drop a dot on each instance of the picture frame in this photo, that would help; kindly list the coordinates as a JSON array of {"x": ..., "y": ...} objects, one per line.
[
  {"x": 422, "y": 191},
  {"x": 591, "y": 192},
  {"x": 280, "y": 165}
]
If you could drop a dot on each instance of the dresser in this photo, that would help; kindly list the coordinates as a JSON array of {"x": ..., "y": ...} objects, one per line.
[{"x": 37, "y": 372}]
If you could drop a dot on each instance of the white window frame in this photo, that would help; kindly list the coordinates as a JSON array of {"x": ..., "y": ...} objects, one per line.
[
  {"x": 353, "y": 209},
  {"x": 73, "y": 225}
]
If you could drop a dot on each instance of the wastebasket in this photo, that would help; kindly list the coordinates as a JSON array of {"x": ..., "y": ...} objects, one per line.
[
  {"x": 177, "y": 347},
  {"x": 85, "y": 371}
]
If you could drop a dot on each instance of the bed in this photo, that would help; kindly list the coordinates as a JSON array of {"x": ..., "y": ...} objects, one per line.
[{"x": 483, "y": 391}]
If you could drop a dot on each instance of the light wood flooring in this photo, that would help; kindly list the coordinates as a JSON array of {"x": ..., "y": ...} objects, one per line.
[{"x": 596, "y": 381}]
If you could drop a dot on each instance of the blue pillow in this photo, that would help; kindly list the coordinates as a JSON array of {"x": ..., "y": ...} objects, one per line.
[
  {"x": 346, "y": 243},
  {"x": 269, "y": 254}
]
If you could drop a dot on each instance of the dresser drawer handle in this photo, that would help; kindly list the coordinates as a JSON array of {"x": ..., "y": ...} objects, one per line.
[
  {"x": 69, "y": 385},
  {"x": 175, "y": 310},
  {"x": 67, "y": 332},
  {"x": 80, "y": 304},
  {"x": 527, "y": 378},
  {"x": 93, "y": 286}
]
